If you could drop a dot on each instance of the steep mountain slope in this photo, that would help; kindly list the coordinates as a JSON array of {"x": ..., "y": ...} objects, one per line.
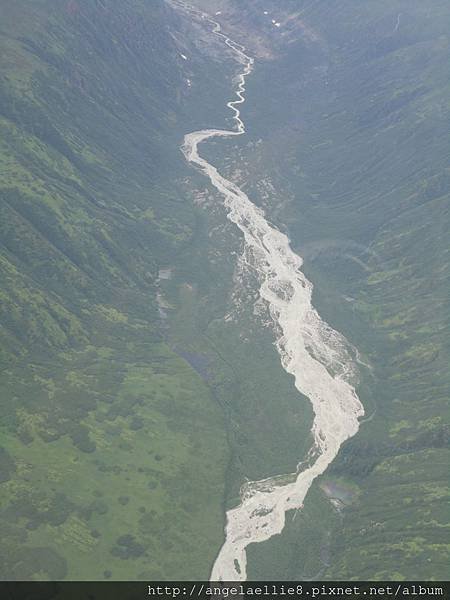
[
  {"x": 100, "y": 458},
  {"x": 140, "y": 388},
  {"x": 133, "y": 406},
  {"x": 347, "y": 150}
]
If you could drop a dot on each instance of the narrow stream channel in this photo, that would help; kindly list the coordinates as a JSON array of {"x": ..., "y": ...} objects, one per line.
[{"x": 318, "y": 357}]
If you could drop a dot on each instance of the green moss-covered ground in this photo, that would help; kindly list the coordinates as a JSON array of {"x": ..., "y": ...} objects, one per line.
[{"x": 119, "y": 466}]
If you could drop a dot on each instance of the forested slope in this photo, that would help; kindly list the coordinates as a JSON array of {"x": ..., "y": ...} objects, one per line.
[
  {"x": 139, "y": 387},
  {"x": 348, "y": 150},
  {"x": 94, "y": 101}
]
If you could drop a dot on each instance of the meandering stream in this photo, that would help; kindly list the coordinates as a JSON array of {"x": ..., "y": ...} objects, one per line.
[{"x": 318, "y": 357}]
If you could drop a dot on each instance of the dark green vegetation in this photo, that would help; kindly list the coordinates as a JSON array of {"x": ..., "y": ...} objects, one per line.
[
  {"x": 112, "y": 451},
  {"x": 131, "y": 410},
  {"x": 355, "y": 142}
]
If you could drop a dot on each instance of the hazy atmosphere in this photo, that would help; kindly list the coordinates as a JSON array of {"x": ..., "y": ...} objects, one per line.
[{"x": 225, "y": 290}]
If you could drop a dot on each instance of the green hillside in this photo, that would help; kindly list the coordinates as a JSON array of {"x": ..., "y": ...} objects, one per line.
[
  {"x": 100, "y": 449},
  {"x": 132, "y": 410},
  {"x": 354, "y": 140},
  {"x": 138, "y": 391}
]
